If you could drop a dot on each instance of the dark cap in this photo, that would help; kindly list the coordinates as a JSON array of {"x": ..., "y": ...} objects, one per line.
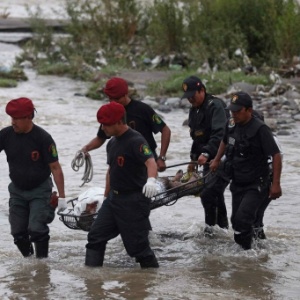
[
  {"x": 190, "y": 85},
  {"x": 240, "y": 100},
  {"x": 19, "y": 108},
  {"x": 116, "y": 88},
  {"x": 110, "y": 113}
]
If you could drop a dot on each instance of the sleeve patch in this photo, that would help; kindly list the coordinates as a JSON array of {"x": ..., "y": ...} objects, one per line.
[
  {"x": 146, "y": 150},
  {"x": 156, "y": 119},
  {"x": 52, "y": 150}
]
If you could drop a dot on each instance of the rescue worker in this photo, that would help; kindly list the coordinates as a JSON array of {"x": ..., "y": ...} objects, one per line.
[
  {"x": 140, "y": 117},
  {"x": 130, "y": 183},
  {"x": 248, "y": 143},
  {"x": 32, "y": 157},
  {"x": 207, "y": 120}
]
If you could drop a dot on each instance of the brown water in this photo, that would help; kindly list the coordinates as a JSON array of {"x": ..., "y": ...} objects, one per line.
[{"x": 191, "y": 266}]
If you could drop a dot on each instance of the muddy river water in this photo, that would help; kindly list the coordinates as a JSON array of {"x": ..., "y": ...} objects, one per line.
[{"x": 191, "y": 266}]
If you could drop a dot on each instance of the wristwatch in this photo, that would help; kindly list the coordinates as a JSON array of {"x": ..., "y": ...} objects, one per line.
[
  {"x": 163, "y": 158},
  {"x": 205, "y": 154}
]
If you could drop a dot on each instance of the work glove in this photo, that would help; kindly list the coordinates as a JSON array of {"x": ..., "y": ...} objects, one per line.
[
  {"x": 149, "y": 189},
  {"x": 62, "y": 204}
]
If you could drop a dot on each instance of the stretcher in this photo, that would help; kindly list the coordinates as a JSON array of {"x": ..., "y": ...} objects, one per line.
[{"x": 166, "y": 198}]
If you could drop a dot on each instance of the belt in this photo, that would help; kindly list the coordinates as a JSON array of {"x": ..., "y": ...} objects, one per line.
[{"x": 116, "y": 192}]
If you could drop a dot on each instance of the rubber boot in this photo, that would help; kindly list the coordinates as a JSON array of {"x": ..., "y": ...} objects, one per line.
[
  {"x": 259, "y": 233},
  {"x": 148, "y": 262},
  {"x": 208, "y": 231},
  {"x": 41, "y": 249},
  {"x": 25, "y": 247},
  {"x": 245, "y": 240},
  {"x": 94, "y": 258},
  {"x": 223, "y": 222}
]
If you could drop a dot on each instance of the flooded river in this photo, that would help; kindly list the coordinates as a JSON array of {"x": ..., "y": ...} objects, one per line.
[{"x": 191, "y": 266}]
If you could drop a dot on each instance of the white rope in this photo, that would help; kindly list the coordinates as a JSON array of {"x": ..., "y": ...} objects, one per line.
[{"x": 78, "y": 161}]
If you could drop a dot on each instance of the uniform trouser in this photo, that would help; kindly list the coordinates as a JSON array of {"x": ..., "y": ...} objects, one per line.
[
  {"x": 127, "y": 215},
  {"x": 30, "y": 212},
  {"x": 213, "y": 201},
  {"x": 259, "y": 223},
  {"x": 246, "y": 201}
]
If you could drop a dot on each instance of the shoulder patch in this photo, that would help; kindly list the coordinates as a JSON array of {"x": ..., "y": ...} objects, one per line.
[
  {"x": 53, "y": 150},
  {"x": 156, "y": 119},
  {"x": 145, "y": 149},
  {"x": 231, "y": 123}
]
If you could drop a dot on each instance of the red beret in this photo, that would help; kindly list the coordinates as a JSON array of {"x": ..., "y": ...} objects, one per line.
[
  {"x": 19, "y": 108},
  {"x": 116, "y": 88},
  {"x": 110, "y": 113}
]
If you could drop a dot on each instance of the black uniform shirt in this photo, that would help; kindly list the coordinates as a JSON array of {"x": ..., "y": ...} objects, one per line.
[
  {"x": 28, "y": 155},
  {"x": 253, "y": 144},
  {"x": 207, "y": 124},
  {"x": 142, "y": 118},
  {"x": 264, "y": 138},
  {"x": 126, "y": 156}
]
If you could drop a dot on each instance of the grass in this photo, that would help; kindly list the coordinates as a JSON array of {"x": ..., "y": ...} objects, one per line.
[
  {"x": 15, "y": 74},
  {"x": 10, "y": 78},
  {"x": 8, "y": 83},
  {"x": 216, "y": 83}
]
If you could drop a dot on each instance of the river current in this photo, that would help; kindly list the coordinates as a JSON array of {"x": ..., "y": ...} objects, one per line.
[{"x": 191, "y": 266}]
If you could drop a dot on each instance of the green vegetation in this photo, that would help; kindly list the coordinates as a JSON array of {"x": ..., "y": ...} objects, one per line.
[
  {"x": 15, "y": 73},
  {"x": 8, "y": 83},
  {"x": 10, "y": 78},
  {"x": 122, "y": 34},
  {"x": 216, "y": 83}
]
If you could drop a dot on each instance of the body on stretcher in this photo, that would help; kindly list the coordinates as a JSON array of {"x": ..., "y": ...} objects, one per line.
[{"x": 171, "y": 188}]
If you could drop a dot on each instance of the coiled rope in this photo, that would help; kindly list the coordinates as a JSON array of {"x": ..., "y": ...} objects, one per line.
[{"x": 78, "y": 161}]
